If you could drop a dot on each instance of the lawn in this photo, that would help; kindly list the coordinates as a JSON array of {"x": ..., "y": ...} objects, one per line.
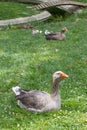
[
  {"x": 9, "y": 10},
  {"x": 29, "y": 61}
]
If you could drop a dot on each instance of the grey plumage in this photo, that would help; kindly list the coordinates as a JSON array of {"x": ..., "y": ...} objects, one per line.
[
  {"x": 39, "y": 101},
  {"x": 56, "y": 35}
]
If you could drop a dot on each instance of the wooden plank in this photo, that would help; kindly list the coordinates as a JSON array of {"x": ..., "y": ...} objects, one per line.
[{"x": 58, "y": 3}]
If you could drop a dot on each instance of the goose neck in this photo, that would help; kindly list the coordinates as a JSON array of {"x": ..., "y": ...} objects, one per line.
[{"x": 55, "y": 88}]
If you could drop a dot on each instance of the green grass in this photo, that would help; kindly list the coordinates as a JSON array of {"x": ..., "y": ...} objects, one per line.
[
  {"x": 10, "y": 10},
  {"x": 29, "y": 61}
]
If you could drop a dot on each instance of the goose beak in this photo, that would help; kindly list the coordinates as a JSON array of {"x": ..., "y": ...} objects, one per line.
[{"x": 63, "y": 75}]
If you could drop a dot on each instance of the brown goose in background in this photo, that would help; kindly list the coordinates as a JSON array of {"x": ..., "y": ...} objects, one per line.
[
  {"x": 40, "y": 101},
  {"x": 56, "y": 35}
]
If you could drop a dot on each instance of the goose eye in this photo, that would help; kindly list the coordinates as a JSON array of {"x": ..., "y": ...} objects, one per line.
[{"x": 58, "y": 73}]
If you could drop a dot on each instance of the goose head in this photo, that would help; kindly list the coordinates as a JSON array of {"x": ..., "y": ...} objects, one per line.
[
  {"x": 58, "y": 76},
  {"x": 64, "y": 30}
]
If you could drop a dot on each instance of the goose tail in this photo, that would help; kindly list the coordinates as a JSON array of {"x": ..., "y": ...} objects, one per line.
[
  {"x": 47, "y": 32},
  {"x": 16, "y": 90}
]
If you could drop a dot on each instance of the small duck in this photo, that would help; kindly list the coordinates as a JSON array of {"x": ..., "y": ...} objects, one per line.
[
  {"x": 40, "y": 101},
  {"x": 56, "y": 35}
]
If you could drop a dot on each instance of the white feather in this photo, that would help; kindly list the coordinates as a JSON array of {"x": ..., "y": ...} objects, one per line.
[
  {"x": 16, "y": 90},
  {"x": 47, "y": 32}
]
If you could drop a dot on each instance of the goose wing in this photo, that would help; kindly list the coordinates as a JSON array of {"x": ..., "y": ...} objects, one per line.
[
  {"x": 34, "y": 99},
  {"x": 51, "y": 34}
]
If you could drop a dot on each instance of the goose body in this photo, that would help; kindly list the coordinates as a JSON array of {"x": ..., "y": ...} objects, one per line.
[
  {"x": 40, "y": 101},
  {"x": 56, "y": 35}
]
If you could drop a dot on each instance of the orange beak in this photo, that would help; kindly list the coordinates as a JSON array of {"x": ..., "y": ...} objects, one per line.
[{"x": 63, "y": 75}]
